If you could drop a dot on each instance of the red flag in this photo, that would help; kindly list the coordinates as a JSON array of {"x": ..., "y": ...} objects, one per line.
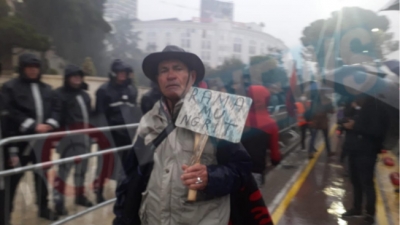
[{"x": 290, "y": 101}]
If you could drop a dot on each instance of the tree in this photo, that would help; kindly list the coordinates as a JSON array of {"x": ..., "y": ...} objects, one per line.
[
  {"x": 76, "y": 28},
  {"x": 349, "y": 36},
  {"x": 15, "y": 32},
  {"x": 228, "y": 72},
  {"x": 88, "y": 67},
  {"x": 122, "y": 42},
  {"x": 231, "y": 64},
  {"x": 209, "y": 70}
]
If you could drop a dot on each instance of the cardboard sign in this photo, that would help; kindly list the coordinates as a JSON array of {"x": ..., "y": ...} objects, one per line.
[{"x": 214, "y": 113}]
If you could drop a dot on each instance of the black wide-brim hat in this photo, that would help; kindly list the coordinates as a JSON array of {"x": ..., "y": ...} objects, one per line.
[{"x": 192, "y": 61}]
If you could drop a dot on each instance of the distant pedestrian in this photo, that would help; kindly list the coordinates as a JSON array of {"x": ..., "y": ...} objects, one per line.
[
  {"x": 365, "y": 134},
  {"x": 261, "y": 133},
  {"x": 301, "y": 121},
  {"x": 318, "y": 120}
]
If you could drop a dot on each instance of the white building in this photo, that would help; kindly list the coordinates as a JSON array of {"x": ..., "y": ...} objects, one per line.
[
  {"x": 214, "y": 41},
  {"x": 120, "y": 9}
]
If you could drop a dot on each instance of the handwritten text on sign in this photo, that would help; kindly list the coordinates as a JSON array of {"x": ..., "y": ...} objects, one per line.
[{"x": 214, "y": 113}]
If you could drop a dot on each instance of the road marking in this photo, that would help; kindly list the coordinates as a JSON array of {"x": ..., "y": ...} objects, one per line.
[
  {"x": 280, "y": 210},
  {"x": 381, "y": 213},
  {"x": 387, "y": 200}
]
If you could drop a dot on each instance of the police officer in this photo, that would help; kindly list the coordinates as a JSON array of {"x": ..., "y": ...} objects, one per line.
[
  {"x": 150, "y": 98},
  {"x": 27, "y": 101},
  {"x": 114, "y": 100},
  {"x": 71, "y": 108}
]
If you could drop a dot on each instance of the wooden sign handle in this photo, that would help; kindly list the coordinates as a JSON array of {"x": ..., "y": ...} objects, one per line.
[{"x": 199, "y": 144}]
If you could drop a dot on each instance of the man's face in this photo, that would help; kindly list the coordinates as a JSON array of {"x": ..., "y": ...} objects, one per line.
[
  {"x": 75, "y": 81},
  {"x": 121, "y": 77},
  {"x": 31, "y": 72},
  {"x": 173, "y": 78}
]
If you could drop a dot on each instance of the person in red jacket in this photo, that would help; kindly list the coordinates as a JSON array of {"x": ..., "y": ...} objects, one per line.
[
  {"x": 301, "y": 121},
  {"x": 260, "y": 133}
]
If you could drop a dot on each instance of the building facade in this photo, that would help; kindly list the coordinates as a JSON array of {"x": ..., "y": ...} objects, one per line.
[
  {"x": 120, "y": 9},
  {"x": 213, "y": 40},
  {"x": 216, "y": 9}
]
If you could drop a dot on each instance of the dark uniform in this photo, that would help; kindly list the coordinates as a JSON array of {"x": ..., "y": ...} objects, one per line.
[
  {"x": 362, "y": 145},
  {"x": 27, "y": 103},
  {"x": 71, "y": 108},
  {"x": 150, "y": 98},
  {"x": 116, "y": 102}
]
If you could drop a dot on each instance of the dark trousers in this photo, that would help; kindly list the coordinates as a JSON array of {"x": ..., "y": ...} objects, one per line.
[
  {"x": 303, "y": 131},
  {"x": 314, "y": 133},
  {"x": 7, "y": 195},
  {"x": 120, "y": 139},
  {"x": 362, "y": 170},
  {"x": 69, "y": 147}
]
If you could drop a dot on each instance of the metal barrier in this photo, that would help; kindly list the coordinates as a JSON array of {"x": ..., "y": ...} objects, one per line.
[
  {"x": 49, "y": 164},
  {"x": 63, "y": 133},
  {"x": 84, "y": 212}
]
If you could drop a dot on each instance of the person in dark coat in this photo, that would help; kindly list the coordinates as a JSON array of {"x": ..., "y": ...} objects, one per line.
[
  {"x": 71, "y": 108},
  {"x": 150, "y": 98},
  {"x": 318, "y": 120},
  {"x": 3, "y": 213},
  {"x": 365, "y": 134},
  {"x": 27, "y": 102},
  {"x": 112, "y": 98},
  {"x": 260, "y": 133}
]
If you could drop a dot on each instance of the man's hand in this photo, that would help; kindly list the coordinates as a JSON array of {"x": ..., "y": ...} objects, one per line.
[
  {"x": 349, "y": 125},
  {"x": 13, "y": 161},
  {"x": 43, "y": 128},
  {"x": 190, "y": 175}
]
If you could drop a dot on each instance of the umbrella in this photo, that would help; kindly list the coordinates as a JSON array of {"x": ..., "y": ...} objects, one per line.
[
  {"x": 391, "y": 5},
  {"x": 378, "y": 82}
]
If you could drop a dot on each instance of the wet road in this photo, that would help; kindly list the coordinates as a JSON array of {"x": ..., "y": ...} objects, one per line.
[
  {"x": 299, "y": 192},
  {"x": 322, "y": 197}
]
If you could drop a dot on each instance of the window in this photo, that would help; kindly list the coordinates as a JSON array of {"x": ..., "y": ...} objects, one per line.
[
  {"x": 206, "y": 55},
  {"x": 151, "y": 34},
  {"x": 185, "y": 43},
  {"x": 207, "y": 34},
  {"x": 206, "y": 45},
  {"x": 252, "y": 48},
  {"x": 186, "y": 34},
  {"x": 167, "y": 38},
  {"x": 223, "y": 48},
  {"x": 237, "y": 56},
  {"x": 237, "y": 45}
]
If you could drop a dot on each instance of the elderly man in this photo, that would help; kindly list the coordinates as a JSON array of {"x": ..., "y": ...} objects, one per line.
[{"x": 157, "y": 188}]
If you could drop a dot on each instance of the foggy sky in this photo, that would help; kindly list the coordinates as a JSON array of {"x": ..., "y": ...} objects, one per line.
[{"x": 284, "y": 19}]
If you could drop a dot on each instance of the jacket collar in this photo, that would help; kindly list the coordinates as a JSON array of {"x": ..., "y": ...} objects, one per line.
[{"x": 165, "y": 113}]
